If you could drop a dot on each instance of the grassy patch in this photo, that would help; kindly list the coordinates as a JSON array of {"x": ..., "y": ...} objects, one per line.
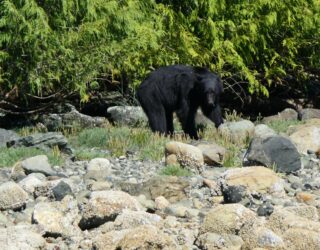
[
  {"x": 9, "y": 156},
  {"x": 175, "y": 170},
  {"x": 283, "y": 125},
  {"x": 119, "y": 140}
]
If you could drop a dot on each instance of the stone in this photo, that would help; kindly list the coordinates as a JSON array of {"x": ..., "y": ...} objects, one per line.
[
  {"x": 265, "y": 209},
  {"x": 233, "y": 194},
  {"x": 263, "y": 130},
  {"x": 44, "y": 141},
  {"x": 146, "y": 237},
  {"x": 30, "y": 182},
  {"x": 61, "y": 190},
  {"x": 17, "y": 172},
  {"x": 301, "y": 239},
  {"x": 104, "y": 206},
  {"x": 12, "y": 196},
  {"x": 127, "y": 115},
  {"x": 254, "y": 179},
  {"x": 286, "y": 115},
  {"x": 227, "y": 219},
  {"x": 172, "y": 159},
  {"x": 170, "y": 187},
  {"x": 256, "y": 235},
  {"x": 57, "y": 219},
  {"x": 237, "y": 131},
  {"x": 176, "y": 210},
  {"x": 276, "y": 152},
  {"x": 99, "y": 164},
  {"x": 69, "y": 117},
  {"x": 307, "y": 138},
  {"x": 304, "y": 211},
  {"x": 98, "y": 169},
  {"x": 187, "y": 155},
  {"x": 21, "y": 237},
  {"x": 216, "y": 241},
  {"x": 38, "y": 164},
  {"x": 131, "y": 219},
  {"x": 161, "y": 203},
  {"x": 7, "y": 135},
  {"x": 305, "y": 197},
  {"x": 309, "y": 113},
  {"x": 282, "y": 220},
  {"x": 213, "y": 154}
]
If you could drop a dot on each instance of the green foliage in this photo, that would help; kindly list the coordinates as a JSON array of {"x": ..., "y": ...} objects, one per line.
[
  {"x": 9, "y": 156},
  {"x": 175, "y": 170},
  {"x": 67, "y": 46},
  {"x": 259, "y": 42}
]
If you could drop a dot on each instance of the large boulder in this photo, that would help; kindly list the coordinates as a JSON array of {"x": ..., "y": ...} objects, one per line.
[
  {"x": 276, "y": 152},
  {"x": 307, "y": 138},
  {"x": 37, "y": 164},
  {"x": 227, "y": 219},
  {"x": 68, "y": 117},
  {"x": 12, "y": 196},
  {"x": 143, "y": 237},
  {"x": 21, "y": 237},
  {"x": 45, "y": 141},
  {"x": 127, "y": 115},
  {"x": 7, "y": 135},
  {"x": 98, "y": 169},
  {"x": 309, "y": 113},
  {"x": 187, "y": 155},
  {"x": 104, "y": 206},
  {"x": 263, "y": 130},
  {"x": 286, "y": 115},
  {"x": 57, "y": 218},
  {"x": 237, "y": 131},
  {"x": 254, "y": 180},
  {"x": 213, "y": 154},
  {"x": 171, "y": 187},
  {"x": 146, "y": 237}
]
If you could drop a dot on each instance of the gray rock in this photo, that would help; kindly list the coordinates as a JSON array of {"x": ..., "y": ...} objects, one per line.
[
  {"x": 61, "y": 190},
  {"x": 57, "y": 218},
  {"x": 43, "y": 141},
  {"x": 217, "y": 241},
  {"x": 12, "y": 196},
  {"x": 104, "y": 206},
  {"x": 274, "y": 152},
  {"x": 38, "y": 164},
  {"x": 288, "y": 115},
  {"x": 237, "y": 131},
  {"x": 309, "y": 113},
  {"x": 127, "y": 115},
  {"x": 262, "y": 130},
  {"x": 21, "y": 237},
  {"x": 30, "y": 182},
  {"x": 130, "y": 219},
  {"x": 7, "y": 135},
  {"x": 171, "y": 187},
  {"x": 70, "y": 118}
]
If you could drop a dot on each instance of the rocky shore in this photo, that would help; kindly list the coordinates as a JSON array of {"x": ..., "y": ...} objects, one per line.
[{"x": 272, "y": 201}]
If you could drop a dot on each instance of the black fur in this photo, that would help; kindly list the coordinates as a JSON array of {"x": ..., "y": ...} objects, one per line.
[{"x": 181, "y": 89}]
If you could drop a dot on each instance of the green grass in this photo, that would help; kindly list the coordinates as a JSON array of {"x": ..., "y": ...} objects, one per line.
[
  {"x": 283, "y": 125},
  {"x": 175, "y": 170},
  {"x": 9, "y": 156},
  {"x": 119, "y": 140}
]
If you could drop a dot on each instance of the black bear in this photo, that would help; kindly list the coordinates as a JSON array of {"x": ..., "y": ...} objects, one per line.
[{"x": 181, "y": 89}]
